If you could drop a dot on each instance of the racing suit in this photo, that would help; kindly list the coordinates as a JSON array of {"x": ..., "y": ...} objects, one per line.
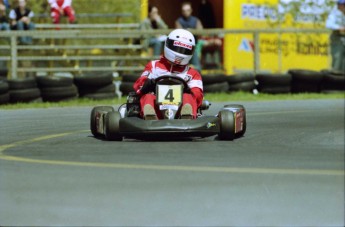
[
  {"x": 58, "y": 7},
  {"x": 157, "y": 68}
]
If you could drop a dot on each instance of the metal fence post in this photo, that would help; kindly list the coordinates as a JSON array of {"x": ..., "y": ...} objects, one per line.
[
  {"x": 280, "y": 53},
  {"x": 14, "y": 54},
  {"x": 256, "y": 52}
]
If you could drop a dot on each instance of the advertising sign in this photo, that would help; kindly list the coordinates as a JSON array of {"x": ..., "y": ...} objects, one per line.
[{"x": 298, "y": 50}]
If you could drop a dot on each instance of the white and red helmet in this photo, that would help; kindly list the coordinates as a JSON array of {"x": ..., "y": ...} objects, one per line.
[{"x": 179, "y": 46}]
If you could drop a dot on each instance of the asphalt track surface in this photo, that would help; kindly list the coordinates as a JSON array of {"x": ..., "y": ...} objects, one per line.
[{"x": 288, "y": 170}]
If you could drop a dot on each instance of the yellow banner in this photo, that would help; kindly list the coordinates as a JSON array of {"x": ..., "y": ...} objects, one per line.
[{"x": 306, "y": 51}]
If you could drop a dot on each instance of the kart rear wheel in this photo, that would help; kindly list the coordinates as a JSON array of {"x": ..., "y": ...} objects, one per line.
[
  {"x": 227, "y": 125},
  {"x": 112, "y": 126},
  {"x": 95, "y": 111}
]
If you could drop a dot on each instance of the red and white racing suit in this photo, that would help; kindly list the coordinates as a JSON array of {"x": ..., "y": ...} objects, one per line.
[
  {"x": 157, "y": 68},
  {"x": 56, "y": 6}
]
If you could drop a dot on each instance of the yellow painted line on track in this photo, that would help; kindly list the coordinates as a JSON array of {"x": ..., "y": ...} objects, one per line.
[{"x": 154, "y": 167}]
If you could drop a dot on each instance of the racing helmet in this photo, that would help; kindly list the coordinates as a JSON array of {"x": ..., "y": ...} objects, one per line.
[{"x": 179, "y": 46}]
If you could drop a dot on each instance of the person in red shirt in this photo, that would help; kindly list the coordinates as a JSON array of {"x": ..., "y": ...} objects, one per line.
[
  {"x": 178, "y": 51},
  {"x": 62, "y": 7}
]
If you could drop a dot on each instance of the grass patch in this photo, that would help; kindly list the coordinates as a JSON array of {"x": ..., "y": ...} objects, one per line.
[{"x": 212, "y": 97}]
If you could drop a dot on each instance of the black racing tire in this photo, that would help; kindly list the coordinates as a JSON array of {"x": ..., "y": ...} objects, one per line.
[
  {"x": 3, "y": 72},
  {"x": 24, "y": 95},
  {"x": 55, "y": 94},
  {"x": 305, "y": 81},
  {"x": 130, "y": 78},
  {"x": 24, "y": 83},
  {"x": 333, "y": 92},
  {"x": 126, "y": 87},
  {"x": 93, "y": 79},
  {"x": 4, "y": 98},
  {"x": 239, "y": 78},
  {"x": 247, "y": 86},
  {"x": 273, "y": 79},
  {"x": 109, "y": 88},
  {"x": 94, "y": 112},
  {"x": 3, "y": 87},
  {"x": 218, "y": 87},
  {"x": 54, "y": 81},
  {"x": 112, "y": 126},
  {"x": 274, "y": 89},
  {"x": 226, "y": 125},
  {"x": 100, "y": 96},
  {"x": 332, "y": 82},
  {"x": 333, "y": 72},
  {"x": 208, "y": 79}
]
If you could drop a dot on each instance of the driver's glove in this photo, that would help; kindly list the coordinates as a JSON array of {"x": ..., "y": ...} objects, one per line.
[{"x": 149, "y": 86}]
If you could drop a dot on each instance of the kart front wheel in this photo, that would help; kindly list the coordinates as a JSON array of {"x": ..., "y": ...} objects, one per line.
[
  {"x": 227, "y": 125},
  {"x": 95, "y": 113},
  {"x": 112, "y": 126}
]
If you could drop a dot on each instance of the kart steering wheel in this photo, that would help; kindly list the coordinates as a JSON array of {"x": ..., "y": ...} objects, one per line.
[{"x": 186, "y": 88}]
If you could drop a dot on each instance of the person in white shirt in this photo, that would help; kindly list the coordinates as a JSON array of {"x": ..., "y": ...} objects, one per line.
[
  {"x": 21, "y": 20},
  {"x": 60, "y": 8},
  {"x": 336, "y": 22}
]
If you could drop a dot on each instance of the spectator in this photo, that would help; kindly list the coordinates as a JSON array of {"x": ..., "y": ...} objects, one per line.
[
  {"x": 4, "y": 25},
  {"x": 188, "y": 21},
  {"x": 336, "y": 22},
  {"x": 209, "y": 49},
  {"x": 62, "y": 8},
  {"x": 6, "y": 3},
  {"x": 21, "y": 20},
  {"x": 154, "y": 21}
]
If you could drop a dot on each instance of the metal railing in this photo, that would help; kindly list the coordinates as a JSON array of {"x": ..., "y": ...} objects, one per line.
[{"x": 14, "y": 48}]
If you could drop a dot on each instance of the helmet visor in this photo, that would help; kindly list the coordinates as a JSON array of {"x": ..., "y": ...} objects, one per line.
[{"x": 179, "y": 47}]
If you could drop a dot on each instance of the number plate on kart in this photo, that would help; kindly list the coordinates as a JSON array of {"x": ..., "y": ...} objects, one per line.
[{"x": 169, "y": 94}]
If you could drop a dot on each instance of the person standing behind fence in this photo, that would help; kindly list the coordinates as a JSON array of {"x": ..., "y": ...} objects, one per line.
[
  {"x": 21, "y": 20},
  {"x": 188, "y": 21},
  {"x": 4, "y": 25},
  {"x": 60, "y": 8},
  {"x": 154, "y": 21},
  {"x": 336, "y": 22}
]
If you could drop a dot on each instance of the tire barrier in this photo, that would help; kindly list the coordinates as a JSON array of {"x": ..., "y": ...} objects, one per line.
[
  {"x": 241, "y": 82},
  {"x": 273, "y": 83},
  {"x": 130, "y": 77},
  {"x": 101, "y": 86},
  {"x": 3, "y": 73},
  {"x": 305, "y": 81},
  {"x": 95, "y": 85},
  {"x": 213, "y": 83},
  {"x": 24, "y": 90},
  {"x": 126, "y": 87},
  {"x": 4, "y": 92},
  {"x": 55, "y": 89},
  {"x": 333, "y": 83}
]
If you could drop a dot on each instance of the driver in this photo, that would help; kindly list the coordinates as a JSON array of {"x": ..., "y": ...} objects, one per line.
[{"x": 178, "y": 51}]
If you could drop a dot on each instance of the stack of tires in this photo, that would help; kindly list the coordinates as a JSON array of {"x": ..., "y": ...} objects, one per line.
[
  {"x": 305, "y": 81},
  {"x": 95, "y": 85},
  {"x": 273, "y": 83},
  {"x": 55, "y": 89},
  {"x": 4, "y": 92},
  {"x": 214, "y": 83},
  {"x": 127, "y": 82},
  {"x": 24, "y": 90},
  {"x": 333, "y": 81},
  {"x": 241, "y": 82}
]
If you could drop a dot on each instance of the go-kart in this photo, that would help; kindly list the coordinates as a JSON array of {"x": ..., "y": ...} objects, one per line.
[{"x": 228, "y": 124}]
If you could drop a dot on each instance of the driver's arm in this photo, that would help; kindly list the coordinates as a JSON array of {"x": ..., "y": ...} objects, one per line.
[{"x": 198, "y": 95}]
